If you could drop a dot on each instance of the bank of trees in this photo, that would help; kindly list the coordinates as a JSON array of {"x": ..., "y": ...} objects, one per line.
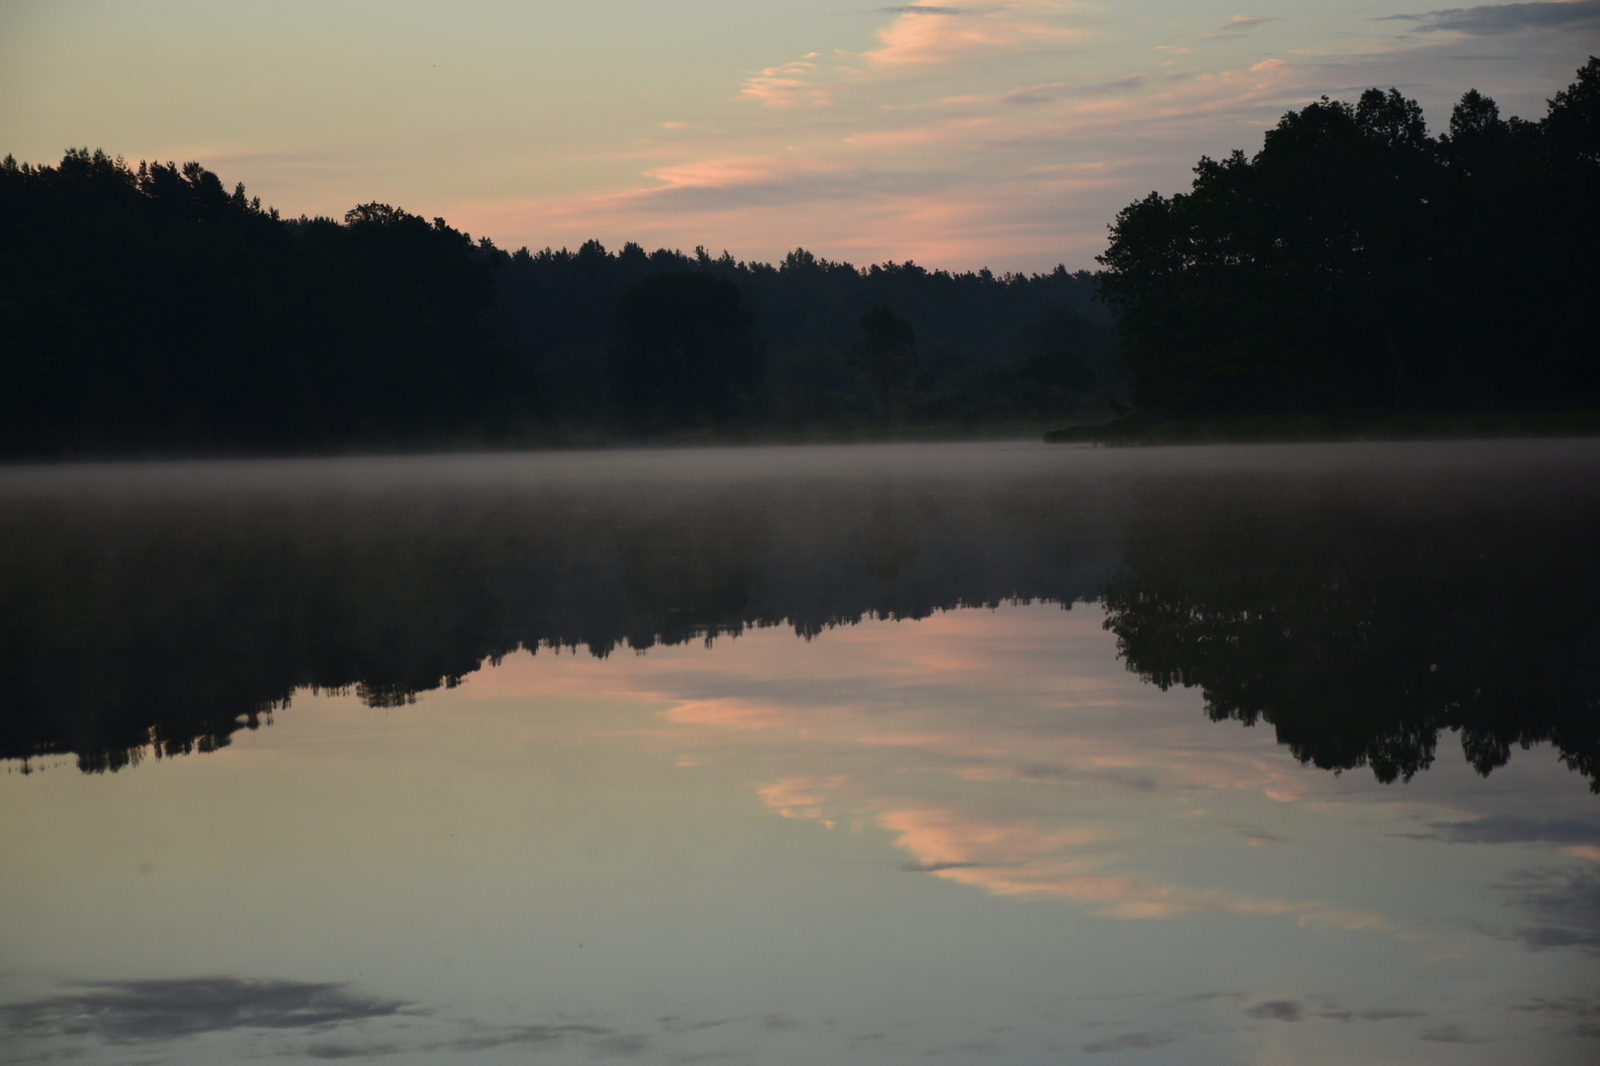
[
  {"x": 149, "y": 310},
  {"x": 980, "y": 337},
  {"x": 1358, "y": 264}
]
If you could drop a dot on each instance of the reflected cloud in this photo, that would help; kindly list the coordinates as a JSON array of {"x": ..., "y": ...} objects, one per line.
[
  {"x": 930, "y": 742},
  {"x": 1134, "y": 1042},
  {"x": 1278, "y": 1010},
  {"x": 138, "y": 1011},
  {"x": 150, "y": 1012},
  {"x": 596, "y": 1040},
  {"x": 1564, "y": 903},
  {"x": 1452, "y": 1034},
  {"x": 1510, "y": 829}
]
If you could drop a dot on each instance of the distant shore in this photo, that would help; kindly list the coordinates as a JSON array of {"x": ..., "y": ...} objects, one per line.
[
  {"x": 1146, "y": 428},
  {"x": 1131, "y": 429}
]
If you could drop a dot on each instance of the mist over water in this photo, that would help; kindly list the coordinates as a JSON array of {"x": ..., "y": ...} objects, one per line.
[{"x": 728, "y": 719}]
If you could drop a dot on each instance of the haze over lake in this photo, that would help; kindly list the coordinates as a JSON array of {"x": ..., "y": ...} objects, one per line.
[{"x": 994, "y": 751}]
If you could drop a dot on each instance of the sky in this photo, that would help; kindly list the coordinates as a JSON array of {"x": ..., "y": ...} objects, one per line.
[{"x": 1000, "y": 133}]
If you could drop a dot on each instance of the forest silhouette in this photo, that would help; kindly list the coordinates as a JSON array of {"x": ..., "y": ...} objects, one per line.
[
  {"x": 1358, "y": 265},
  {"x": 1355, "y": 265},
  {"x": 149, "y": 311}
]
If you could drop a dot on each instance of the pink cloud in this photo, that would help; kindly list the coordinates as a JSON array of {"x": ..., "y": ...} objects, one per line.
[
  {"x": 1018, "y": 177},
  {"x": 926, "y": 34},
  {"x": 787, "y": 85},
  {"x": 1027, "y": 858},
  {"x": 801, "y": 797},
  {"x": 1005, "y": 751}
]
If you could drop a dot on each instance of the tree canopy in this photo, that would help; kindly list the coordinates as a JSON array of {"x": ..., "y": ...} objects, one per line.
[
  {"x": 688, "y": 355},
  {"x": 148, "y": 310},
  {"x": 1358, "y": 263},
  {"x": 886, "y": 353},
  {"x": 151, "y": 310}
]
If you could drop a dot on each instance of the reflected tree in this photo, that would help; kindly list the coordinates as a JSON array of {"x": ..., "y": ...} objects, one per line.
[{"x": 1361, "y": 634}]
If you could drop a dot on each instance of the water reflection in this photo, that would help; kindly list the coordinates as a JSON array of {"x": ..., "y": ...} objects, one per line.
[
  {"x": 570, "y": 783},
  {"x": 1361, "y": 624},
  {"x": 1360, "y": 601},
  {"x": 163, "y": 609},
  {"x": 905, "y": 839}
]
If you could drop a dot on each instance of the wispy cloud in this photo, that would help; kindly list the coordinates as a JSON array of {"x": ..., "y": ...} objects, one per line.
[
  {"x": 946, "y": 182},
  {"x": 1141, "y": 1041},
  {"x": 789, "y": 84},
  {"x": 833, "y": 757},
  {"x": 1509, "y": 829},
  {"x": 922, "y": 35},
  {"x": 1278, "y": 1010},
  {"x": 965, "y": 129},
  {"x": 1027, "y": 858},
  {"x": 1564, "y": 905},
  {"x": 317, "y": 1020},
  {"x": 1238, "y": 25},
  {"x": 153, "y": 1010},
  {"x": 1492, "y": 20},
  {"x": 1453, "y": 1033}
]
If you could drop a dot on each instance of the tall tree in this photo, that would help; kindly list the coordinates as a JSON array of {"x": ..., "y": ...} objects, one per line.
[
  {"x": 688, "y": 355},
  {"x": 886, "y": 353}
]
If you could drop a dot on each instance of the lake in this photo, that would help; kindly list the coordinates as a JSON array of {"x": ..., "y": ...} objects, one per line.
[{"x": 967, "y": 752}]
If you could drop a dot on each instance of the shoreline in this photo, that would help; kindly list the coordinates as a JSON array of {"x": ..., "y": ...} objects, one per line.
[{"x": 1147, "y": 429}]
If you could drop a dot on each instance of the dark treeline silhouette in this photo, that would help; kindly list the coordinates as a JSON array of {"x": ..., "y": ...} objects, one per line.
[
  {"x": 1360, "y": 601},
  {"x": 990, "y": 347},
  {"x": 1359, "y": 265},
  {"x": 150, "y": 310}
]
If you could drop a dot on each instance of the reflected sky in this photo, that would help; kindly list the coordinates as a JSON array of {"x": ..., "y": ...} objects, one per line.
[
  {"x": 972, "y": 835},
  {"x": 848, "y": 755}
]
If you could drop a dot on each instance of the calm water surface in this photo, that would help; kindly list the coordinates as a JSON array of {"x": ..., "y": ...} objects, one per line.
[{"x": 979, "y": 753}]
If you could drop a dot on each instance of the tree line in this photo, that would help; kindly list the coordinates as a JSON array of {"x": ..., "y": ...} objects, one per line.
[
  {"x": 668, "y": 339},
  {"x": 149, "y": 310},
  {"x": 152, "y": 310},
  {"x": 1358, "y": 264}
]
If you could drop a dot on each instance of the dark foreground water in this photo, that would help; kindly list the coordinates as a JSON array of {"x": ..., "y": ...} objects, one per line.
[{"x": 832, "y": 755}]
